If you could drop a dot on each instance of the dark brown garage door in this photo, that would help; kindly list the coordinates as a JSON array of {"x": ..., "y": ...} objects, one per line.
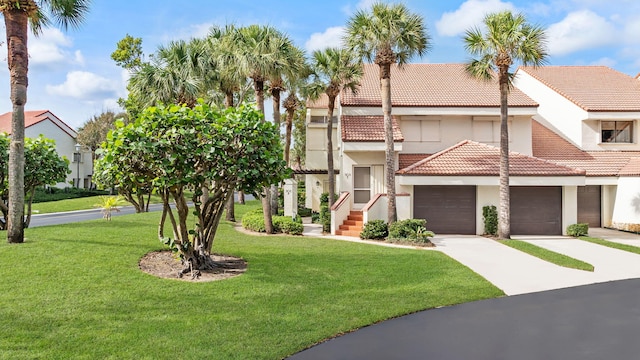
[
  {"x": 536, "y": 210},
  {"x": 447, "y": 209},
  {"x": 589, "y": 205}
]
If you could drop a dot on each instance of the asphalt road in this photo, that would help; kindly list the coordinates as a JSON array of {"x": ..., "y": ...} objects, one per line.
[
  {"x": 81, "y": 215},
  {"x": 600, "y": 321}
]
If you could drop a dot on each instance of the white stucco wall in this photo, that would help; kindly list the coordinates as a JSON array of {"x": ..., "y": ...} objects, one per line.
[
  {"x": 554, "y": 108},
  {"x": 569, "y": 207},
  {"x": 65, "y": 146},
  {"x": 626, "y": 213},
  {"x": 486, "y": 196}
]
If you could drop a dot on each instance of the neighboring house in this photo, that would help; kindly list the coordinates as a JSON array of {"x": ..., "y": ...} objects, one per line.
[
  {"x": 446, "y": 131},
  {"x": 44, "y": 122}
]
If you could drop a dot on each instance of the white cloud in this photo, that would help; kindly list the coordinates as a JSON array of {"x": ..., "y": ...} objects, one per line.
[
  {"x": 606, "y": 61},
  {"x": 85, "y": 86},
  {"x": 361, "y": 5},
  {"x": 469, "y": 14},
  {"x": 79, "y": 58},
  {"x": 332, "y": 37},
  {"x": 579, "y": 30},
  {"x": 49, "y": 47}
]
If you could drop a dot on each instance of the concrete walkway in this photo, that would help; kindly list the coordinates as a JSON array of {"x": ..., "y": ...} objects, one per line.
[{"x": 516, "y": 272}]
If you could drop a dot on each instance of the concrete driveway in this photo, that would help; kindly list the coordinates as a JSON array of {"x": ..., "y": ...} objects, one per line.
[{"x": 515, "y": 272}]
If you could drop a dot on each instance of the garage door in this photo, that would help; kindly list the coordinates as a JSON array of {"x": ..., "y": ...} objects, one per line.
[
  {"x": 589, "y": 205},
  {"x": 536, "y": 210},
  {"x": 447, "y": 209}
]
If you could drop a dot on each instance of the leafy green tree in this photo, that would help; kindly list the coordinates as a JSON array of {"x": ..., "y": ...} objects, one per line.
[
  {"x": 334, "y": 70},
  {"x": 94, "y": 131},
  {"x": 386, "y": 35},
  {"x": 508, "y": 38},
  {"x": 299, "y": 149},
  {"x": 128, "y": 53},
  {"x": 17, "y": 14},
  {"x": 176, "y": 148},
  {"x": 43, "y": 166}
]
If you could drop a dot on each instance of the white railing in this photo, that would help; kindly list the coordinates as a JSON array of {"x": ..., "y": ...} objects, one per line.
[
  {"x": 377, "y": 207},
  {"x": 340, "y": 211}
]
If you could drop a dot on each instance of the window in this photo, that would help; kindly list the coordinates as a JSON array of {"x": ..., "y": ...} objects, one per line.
[
  {"x": 361, "y": 184},
  {"x": 616, "y": 131},
  {"x": 323, "y": 119}
]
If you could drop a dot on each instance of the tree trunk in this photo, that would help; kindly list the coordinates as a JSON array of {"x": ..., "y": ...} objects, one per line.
[
  {"x": 330, "y": 166},
  {"x": 385, "y": 93},
  {"x": 287, "y": 136},
  {"x": 258, "y": 84},
  {"x": 230, "y": 209},
  {"x": 504, "y": 214},
  {"x": 241, "y": 197},
  {"x": 18, "y": 61},
  {"x": 275, "y": 94}
]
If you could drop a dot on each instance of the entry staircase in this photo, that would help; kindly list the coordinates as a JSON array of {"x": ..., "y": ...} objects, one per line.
[{"x": 352, "y": 226}]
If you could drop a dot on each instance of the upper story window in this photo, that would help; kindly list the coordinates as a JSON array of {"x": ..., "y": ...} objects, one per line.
[
  {"x": 617, "y": 131},
  {"x": 323, "y": 119}
]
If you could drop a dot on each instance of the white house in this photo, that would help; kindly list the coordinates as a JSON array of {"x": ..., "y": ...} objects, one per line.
[
  {"x": 446, "y": 131},
  {"x": 44, "y": 122}
]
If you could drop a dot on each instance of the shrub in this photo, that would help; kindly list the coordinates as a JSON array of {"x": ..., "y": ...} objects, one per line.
[
  {"x": 287, "y": 225},
  {"x": 576, "y": 230},
  {"x": 315, "y": 217},
  {"x": 490, "y": 217},
  {"x": 375, "y": 229},
  {"x": 254, "y": 221},
  {"x": 410, "y": 230},
  {"x": 325, "y": 218}
]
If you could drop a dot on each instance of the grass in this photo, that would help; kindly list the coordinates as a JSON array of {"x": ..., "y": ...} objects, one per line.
[
  {"x": 75, "y": 291},
  {"x": 612, "y": 244},
  {"x": 74, "y": 204},
  {"x": 548, "y": 255}
]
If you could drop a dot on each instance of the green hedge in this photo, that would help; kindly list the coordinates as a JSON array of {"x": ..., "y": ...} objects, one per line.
[
  {"x": 490, "y": 217},
  {"x": 410, "y": 230},
  {"x": 254, "y": 221}
]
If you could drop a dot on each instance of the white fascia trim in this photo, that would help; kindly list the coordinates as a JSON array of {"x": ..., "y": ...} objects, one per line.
[
  {"x": 601, "y": 180},
  {"x": 369, "y": 146},
  {"x": 440, "y": 111},
  {"x": 492, "y": 180}
]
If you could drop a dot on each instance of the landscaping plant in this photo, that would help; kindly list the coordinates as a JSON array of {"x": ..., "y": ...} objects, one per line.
[
  {"x": 490, "y": 218},
  {"x": 375, "y": 230},
  {"x": 176, "y": 149},
  {"x": 577, "y": 230}
]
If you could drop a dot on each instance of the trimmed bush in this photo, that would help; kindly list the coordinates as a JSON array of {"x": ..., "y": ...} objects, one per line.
[
  {"x": 254, "y": 221},
  {"x": 375, "y": 229},
  {"x": 576, "y": 230},
  {"x": 410, "y": 230},
  {"x": 490, "y": 218}
]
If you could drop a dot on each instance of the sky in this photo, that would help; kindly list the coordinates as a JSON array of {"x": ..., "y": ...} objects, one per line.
[{"x": 72, "y": 75}]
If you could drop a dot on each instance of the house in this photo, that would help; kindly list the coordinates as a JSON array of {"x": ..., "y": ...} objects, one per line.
[
  {"x": 446, "y": 139},
  {"x": 44, "y": 122}
]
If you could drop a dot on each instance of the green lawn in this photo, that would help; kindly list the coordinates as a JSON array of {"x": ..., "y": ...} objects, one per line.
[
  {"x": 612, "y": 244},
  {"x": 83, "y": 203},
  {"x": 548, "y": 255},
  {"x": 75, "y": 291}
]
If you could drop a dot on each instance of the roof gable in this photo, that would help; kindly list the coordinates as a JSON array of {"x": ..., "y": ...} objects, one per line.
[
  {"x": 470, "y": 158},
  {"x": 33, "y": 117},
  {"x": 431, "y": 85},
  {"x": 592, "y": 88}
]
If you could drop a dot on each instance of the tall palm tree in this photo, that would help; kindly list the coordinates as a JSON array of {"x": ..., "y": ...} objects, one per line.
[
  {"x": 507, "y": 38},
  {"x": 260, "y": 55},
  {"x": 17, "y": 14},
  {"x": 171, "y": 77},
  {"x": 334, "y": 70},
  {"x": 386, "y": 35}
]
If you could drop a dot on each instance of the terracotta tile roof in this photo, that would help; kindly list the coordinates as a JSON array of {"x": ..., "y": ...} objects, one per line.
[
  {"x": 30, "y": 118},
  {"x": 409, "y": 159},
  {"x": 551, "y": 146},
  {"x": 432, "y": 85},
  {"x": 470, "y": 158},
  {"x": 593, "y": 88},
  {"x": 367, "y": 128},
  {"x": 320, "y": 103}
]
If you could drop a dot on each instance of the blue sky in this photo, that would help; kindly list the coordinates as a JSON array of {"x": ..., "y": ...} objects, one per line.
[{"x": 72, "y": 75}]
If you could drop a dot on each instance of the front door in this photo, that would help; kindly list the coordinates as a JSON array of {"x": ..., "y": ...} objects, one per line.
[{"x": 361, "y": 185}]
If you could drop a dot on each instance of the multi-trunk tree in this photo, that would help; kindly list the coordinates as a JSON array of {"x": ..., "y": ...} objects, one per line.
[{"x": 178, "y": 149}]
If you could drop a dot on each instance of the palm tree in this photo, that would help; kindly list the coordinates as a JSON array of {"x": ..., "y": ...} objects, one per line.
[
  {"x": 387, "y": 35},
  {"x": 261, "y": 54},
  {"x": 171, "y": 77},
  {"x": 508, "y": 38},
  {"x": 17, "y": 14},
  {"x": 334, "y": 70}
]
